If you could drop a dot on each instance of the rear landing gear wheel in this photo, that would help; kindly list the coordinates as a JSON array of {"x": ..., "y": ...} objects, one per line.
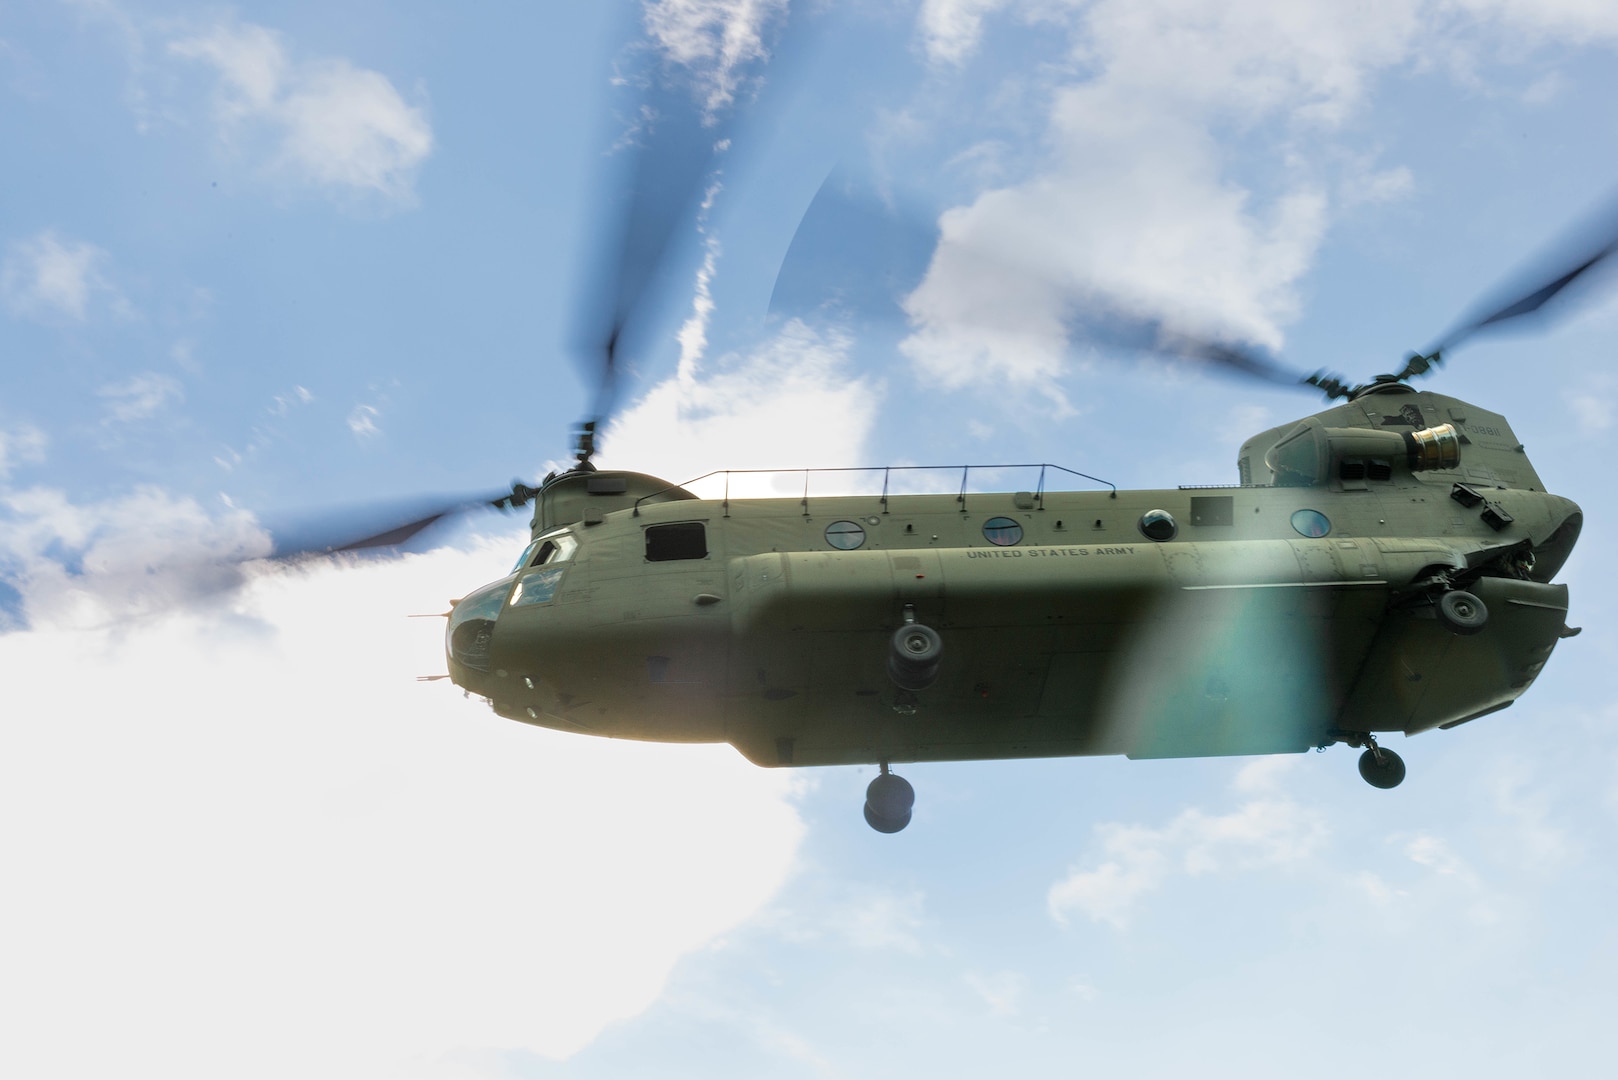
[
  {"x": 888, "y": 800},
  {"x": 1462, "y": 613},
  {"x": 914, "y": 655},
  {"x": 1382, "y": 768}
]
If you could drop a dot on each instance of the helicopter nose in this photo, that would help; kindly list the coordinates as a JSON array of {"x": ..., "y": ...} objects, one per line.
[
  {"x": 469, "y": 638},
  {"x": 1553, "y": 552}
]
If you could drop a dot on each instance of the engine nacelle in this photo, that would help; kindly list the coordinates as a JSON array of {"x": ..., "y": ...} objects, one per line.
[{"x": 1313, "y": 454}]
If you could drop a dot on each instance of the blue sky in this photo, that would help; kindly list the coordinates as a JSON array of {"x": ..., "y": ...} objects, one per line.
[{"x": 261, "y": 260}]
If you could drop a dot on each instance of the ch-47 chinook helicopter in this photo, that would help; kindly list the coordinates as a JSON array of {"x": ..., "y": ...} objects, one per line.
[
  {"x": 1385, "y": 565},
  {"x": 1389, "y": 561}
]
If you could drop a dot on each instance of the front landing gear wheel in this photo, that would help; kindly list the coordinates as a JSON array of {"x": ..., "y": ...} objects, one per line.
[
  {"x": 1382, "y": 768},
  {"x": 1462, "y": 613},
  {"x": 888, "y": 800}
]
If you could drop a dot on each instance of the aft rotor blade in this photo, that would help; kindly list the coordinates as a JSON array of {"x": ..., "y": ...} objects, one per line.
[
  {"x": 1598, "y": 241},
  {"x": 856, "y": 255},
  {"x": 1250, "y": 361}
]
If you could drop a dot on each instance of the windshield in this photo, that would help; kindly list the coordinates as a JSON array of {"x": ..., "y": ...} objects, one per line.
[{"x": 471, "y": 625}]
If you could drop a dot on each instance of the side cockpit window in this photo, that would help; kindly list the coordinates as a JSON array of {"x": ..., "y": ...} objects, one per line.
[
  {"x": 670, "y": 543},
  {"x": 552, "y": 548}
]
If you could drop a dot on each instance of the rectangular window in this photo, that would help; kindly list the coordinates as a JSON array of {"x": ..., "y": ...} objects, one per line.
[
  {"x": 1213, "y": 510},
  {"x": 669, "y": 543}
]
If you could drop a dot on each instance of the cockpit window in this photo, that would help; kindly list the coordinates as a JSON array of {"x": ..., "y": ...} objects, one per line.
[
  {"x": 471, "y": 625},
  {"x": 527, "y": 555},
  {"x": 555, "y": 547},
  {"x": 537, "y": 587}
]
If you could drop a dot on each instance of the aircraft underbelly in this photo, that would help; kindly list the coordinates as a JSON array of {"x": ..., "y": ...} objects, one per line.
[{"x": 1419, "y": 676}]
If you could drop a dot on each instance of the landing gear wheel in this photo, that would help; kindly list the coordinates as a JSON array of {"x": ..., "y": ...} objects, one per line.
[
  {"x": 914, "y": 655},
  {"x": 1462, "y": 613},
  {"x": 1382, "y": 768},
  {"x": 888, "y": 800}
]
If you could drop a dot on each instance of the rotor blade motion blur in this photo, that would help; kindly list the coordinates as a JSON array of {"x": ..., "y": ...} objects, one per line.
[
  {"x": 858, "y": 255},
  {"x": 1597, "y": 241},
  {"x": 387, "y": 525},
  {"x": 852, "y": 255},
  {"x": 661, "y": 173}
]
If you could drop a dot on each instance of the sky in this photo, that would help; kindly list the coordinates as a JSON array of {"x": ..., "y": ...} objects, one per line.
[{"x": 263, "y": 264}]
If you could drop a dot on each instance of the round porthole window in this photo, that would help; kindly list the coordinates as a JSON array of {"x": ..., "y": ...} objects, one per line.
[
  {"x": 845, "y": 535},
  {"x": 1311, "y": 523},
  {"x": 1158, "y": 525},
  {"x": 1002, "y": 531}
]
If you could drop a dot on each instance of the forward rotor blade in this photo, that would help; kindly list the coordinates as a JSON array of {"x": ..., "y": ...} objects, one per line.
[
  {"x": 660, "y": 174},
  {"x": 1598, "y": 240},
  {"x": 660, "y": 178},
  {"x": 386, "y": 525},
  {"x": 201, "y": 567}
]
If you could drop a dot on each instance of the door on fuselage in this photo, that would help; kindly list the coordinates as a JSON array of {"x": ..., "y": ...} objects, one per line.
[{"x": 659, "y": 598}]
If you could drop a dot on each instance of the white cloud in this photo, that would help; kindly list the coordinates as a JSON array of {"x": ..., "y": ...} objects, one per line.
[
  {"x": 950, "y": 29},
  {"x": 1450, "y": 883},
  {"x": 328, "y": 123},
  {"x": 883, "y": 920},
  {"x": 1468, "y": 892},
  {"x": 1370, "y": 185},
  {"x": 25, "y": 445},
  {"x": 1263, "y": 774},
  {"x": 791, "y": 403},
  {"x": 1108, "y": 892},
  {"x": 1137, "y": 214},
  {"x": 184, "y": 355},
  {"x": 853, "y": 914},
  {"x": 1002, "y": 991},
  {"x": 1524, "y": 804},
  {"x": 1133, "y": 217},
  {"x": 254, "y": 828},
  {"x": 139, "y": 397},
  {"x": 1577, "y": 21},
  {"x": 362, "y": 421},
  {"x": 714, "y": 39},
  {"x": 1247, "y": 58},
  {"x": 1435, "y": 854},
  {"x": 1545, "y": 89},
  {"x": 98, "y": 565},
  {"x": 1138, "y": 859},
  {"x": 282, "y": 404},
  {"x": 693, "y": 334},
  {"x": 1595, "y": 404},
  {"x": 49, "y": 277},
  {"x": 1376, "y": 889}
]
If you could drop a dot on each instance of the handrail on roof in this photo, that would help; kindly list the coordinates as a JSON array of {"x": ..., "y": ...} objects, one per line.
[{"x": 886, "y": 471}]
